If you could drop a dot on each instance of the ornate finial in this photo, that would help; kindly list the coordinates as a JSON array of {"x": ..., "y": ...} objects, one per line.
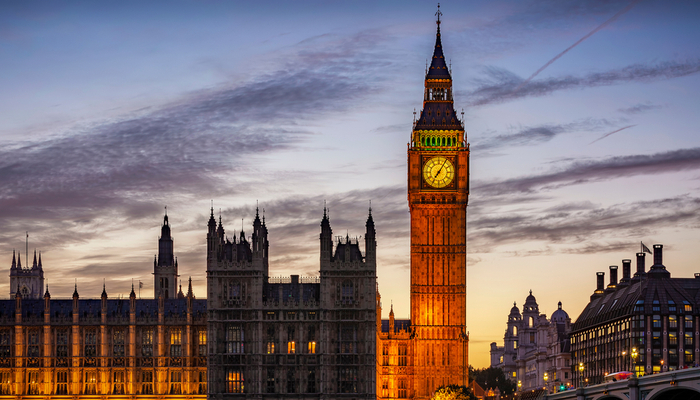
[
  {"x": 325, "y": 210},
  {"x": 370, "y": 207},
  {"x": 439, "y": 14},
  {"x": 212, "y": 208},
  {"x": 514, "y": 304},
  {"x": 531, "y": 291},
  {"x": 257, "y": 208},
  {"x": 263, "y": 217},
  {"x": 166, "y": 211}
]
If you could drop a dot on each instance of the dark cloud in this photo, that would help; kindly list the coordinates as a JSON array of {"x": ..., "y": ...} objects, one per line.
[
  {"x": 499, "y": 85},
  {"x": 129, "y": 166},
  {"x": 596, "y": 170}
]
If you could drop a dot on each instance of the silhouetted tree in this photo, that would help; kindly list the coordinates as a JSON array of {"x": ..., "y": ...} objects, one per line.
[
  {"x": 453, "y": 392},
  {"x": 490, "y": 378}
]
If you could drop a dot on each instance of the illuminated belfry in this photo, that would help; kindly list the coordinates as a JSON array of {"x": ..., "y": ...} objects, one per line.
[
  {"x": 438, "y": 192},
  {"x": 432, "y": 349}
]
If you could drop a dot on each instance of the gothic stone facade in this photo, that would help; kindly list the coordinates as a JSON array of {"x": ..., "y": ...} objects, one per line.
[
  {"x": 103, "y": 348},
  {"x": 300, "y": 337}
]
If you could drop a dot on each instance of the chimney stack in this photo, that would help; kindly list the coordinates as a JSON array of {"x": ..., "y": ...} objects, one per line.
[
  {"x": 640, "y": 264},
  {"x": 626, "y": 270},
  {"x": 658, "y": 254},
  {"x": 613, "y": 276},
  {"x": 601, "y": 281}
]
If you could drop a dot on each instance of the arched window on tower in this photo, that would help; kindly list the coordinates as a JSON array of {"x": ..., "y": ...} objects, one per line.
[
  {"x": 515, "y": 330},
  {"x": 531, "y": 322}
]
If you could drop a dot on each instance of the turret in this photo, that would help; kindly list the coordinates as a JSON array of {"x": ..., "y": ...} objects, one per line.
[
  {"x": 104, "y": 298},
  {"x": 260, "y": 244},
  {"x": 370, "y": 239},
  {"x": 326, "y": 238},
  {"x": 211, "y": 236},
  {"x": 165, "y": 268},
  {"x": 391, "y": 320}
]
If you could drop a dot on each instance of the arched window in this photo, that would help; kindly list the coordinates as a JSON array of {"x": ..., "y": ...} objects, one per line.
[
  {"x": 515, "y": 330},
  {"x": 346, "y": 291},
  {"x": 531, "y": 322}
]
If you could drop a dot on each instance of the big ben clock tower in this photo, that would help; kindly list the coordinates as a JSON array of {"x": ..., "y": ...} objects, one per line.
[{"x": 438, "y": 191}]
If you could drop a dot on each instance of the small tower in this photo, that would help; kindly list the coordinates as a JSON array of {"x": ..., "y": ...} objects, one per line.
[
  {"x": 29, "y": 281},
  {"x": 165, "y": 265}
]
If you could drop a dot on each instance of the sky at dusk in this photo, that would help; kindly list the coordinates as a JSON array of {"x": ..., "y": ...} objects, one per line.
[{"x": 113, "y": 110}]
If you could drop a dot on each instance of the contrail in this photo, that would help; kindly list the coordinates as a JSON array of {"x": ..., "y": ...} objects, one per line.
[
  {"x": 601, "y": 26},
  {"x": 610, "y": 133}
]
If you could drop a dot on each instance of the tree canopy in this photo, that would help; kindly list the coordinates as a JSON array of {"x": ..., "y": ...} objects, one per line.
[
  {"x": 453, "y": 392},
  {"x": 490, "y": 377}
]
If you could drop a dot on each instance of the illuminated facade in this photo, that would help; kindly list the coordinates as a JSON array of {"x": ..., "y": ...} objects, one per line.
[
  {"x": 536, "y": 350},
  {"x": 647, "y": 323},
  {"x": 104, "y": 348},
  {"x": 438, "y": 191},
  {"x": 301, "y": 337}
]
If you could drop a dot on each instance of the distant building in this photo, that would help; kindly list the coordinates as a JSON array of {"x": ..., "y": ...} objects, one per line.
[
  {"x": 535, "y": 348},
  {"x": 645, "y": 324}
]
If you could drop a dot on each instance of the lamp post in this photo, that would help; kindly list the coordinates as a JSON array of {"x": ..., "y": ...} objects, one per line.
[
  {"x": 624, "y": 358},
  {"x": 520, "y": 385},
  {"x": 634, "y": 360},
  {"x": 546, "y": 376},
  {"x": 580, "y": 374}
]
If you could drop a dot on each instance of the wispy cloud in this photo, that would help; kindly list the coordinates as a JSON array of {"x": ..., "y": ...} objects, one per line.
[
  {"x": 580, "y": 231},
  {"x": 639, "y": 108},
  {"x": 528, "y": 136},
  {"x": 499, "y": 83},
  {"x": 610, "y": 133}
]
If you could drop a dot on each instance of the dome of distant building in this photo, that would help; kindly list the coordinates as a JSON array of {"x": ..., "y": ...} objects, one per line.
[{"x": 560, "y": 316}]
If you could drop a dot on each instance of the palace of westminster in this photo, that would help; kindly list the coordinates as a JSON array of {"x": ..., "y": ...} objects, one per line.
[
  {"x": 322, "y": 337},
  {"x": 255, "y": 336}
]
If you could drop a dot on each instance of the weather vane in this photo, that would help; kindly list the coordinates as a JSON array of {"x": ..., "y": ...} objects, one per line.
[{"x": 438, "y": 13}]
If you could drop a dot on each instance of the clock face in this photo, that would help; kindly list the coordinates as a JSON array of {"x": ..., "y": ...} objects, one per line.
[{"x": 438, "y": 172}]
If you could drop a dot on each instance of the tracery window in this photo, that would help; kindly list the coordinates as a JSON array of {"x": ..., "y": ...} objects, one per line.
[
  {"x": 62, "y": 382},
  {"x": 147, "y": 343},
  {"x": 118, "y": 382},
  {"x": 311, "y": 381},
  {"x": 346, "y": 291},
  {"x": 348, "y": 380},
  {"x": 118, "y": 343},
  {"x": 146, "y": 382},
  {"x": 202, "y": 342},
  {"x": 234, "y": 381},
  {"x": 175, "y": 382},
  {"x": 90, "y": 343},
  {"x": 61, "y": 343},
  {"x": 90, "y": 382},
  {"x": 234, "y": 340},
  {"x": 33, "y": 382},
  {"x": 175, "y": 342},
  {"x": 5, "y": 347}
]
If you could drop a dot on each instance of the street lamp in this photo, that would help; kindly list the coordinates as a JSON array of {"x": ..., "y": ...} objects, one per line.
[
  {"x": 520, "y": 385},
  {"x": 546, "y": 376},
  {"x": 580, "y": 375},
  {"x": 634, "y": 360}
]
